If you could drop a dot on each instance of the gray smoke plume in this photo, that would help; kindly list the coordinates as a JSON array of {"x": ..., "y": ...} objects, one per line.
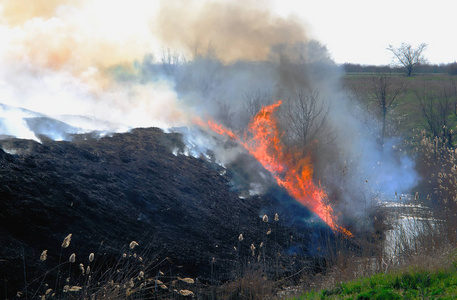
[
  {"x": 234, "y": 30},
  {"x": 349, "y": 161},
  {"x": 228, "y": 82},
  {"x": 219, "y": 60}
]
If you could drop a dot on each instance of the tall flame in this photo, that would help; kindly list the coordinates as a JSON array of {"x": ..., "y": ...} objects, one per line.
[{"x": 289, "y": 169}]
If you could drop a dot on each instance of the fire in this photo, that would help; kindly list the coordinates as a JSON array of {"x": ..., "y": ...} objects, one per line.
[
  {"x": 219, "y": 129},
  {"x": 262, "y": 140}
]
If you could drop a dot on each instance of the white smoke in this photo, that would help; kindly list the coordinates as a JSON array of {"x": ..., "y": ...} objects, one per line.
[
  {"x": 55, "y": 59},
  {"x": 95, "y": 72},
  {"x": 58, "y": 95}
]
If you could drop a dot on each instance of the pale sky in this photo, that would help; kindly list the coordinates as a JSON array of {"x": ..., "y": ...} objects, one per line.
[
  {"x": 354, "y": 31},
  {"x": 359, "y": 31}
]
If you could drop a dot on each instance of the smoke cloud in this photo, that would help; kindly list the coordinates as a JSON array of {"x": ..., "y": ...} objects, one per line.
[
  {"x": 55, "y": 61},
  {"x": 114, "y": 65},
  {"x": 18, "y": 12},
  {"x": 76, "y": 35},
  {"x": 233, "y": 31}
]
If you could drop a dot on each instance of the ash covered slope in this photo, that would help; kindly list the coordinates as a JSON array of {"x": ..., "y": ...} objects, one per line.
[{"x": 130, "y": 187}]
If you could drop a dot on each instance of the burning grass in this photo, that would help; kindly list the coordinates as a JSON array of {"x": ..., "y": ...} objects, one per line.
[
  {"x": 290, "y": 169},
  {"x": 257, "y": 273},
  {"x": 340, "y": 261},
  {"x": 191, "y": 219}
]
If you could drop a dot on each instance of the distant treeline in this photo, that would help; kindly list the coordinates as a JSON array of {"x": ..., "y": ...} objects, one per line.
[{"x": 450, "y": 68}]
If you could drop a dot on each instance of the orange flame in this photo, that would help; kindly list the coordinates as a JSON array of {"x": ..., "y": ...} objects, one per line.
[
  {"x": 295, "y": 175},
  {"x": 219, "y": 129}
]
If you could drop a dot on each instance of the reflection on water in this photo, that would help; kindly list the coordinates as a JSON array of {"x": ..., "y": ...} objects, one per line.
[{"x": 410, "y": 221}]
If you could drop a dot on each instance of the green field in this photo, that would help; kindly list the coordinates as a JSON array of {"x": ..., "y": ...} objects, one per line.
[
  {"x": 406, "y": 115},
  {"x": 414, "y": 284}
]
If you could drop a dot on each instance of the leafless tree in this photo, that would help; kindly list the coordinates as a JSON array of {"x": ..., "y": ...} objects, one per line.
[
  {"x": 408, "y": 56},
  {"x": 200, "y": 51},
  {"x": 170, "y": 60},
  {"x": 386, "y": 90},
  {"x": 304, "y": 117},
  {"x": 253, "y": 101},
  {"x": 439, "y": 111}
]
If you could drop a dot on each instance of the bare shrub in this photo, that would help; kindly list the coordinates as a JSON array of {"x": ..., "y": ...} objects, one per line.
[{"x": 304, "y": 118}]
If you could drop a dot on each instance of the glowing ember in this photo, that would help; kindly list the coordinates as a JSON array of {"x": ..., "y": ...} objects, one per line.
[{"x": 290, "y": 171}]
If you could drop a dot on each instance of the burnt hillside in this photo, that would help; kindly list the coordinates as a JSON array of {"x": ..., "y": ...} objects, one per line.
[{"x": 110, "y": 191}]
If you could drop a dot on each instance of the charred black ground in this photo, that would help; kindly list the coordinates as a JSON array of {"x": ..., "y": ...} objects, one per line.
[{"x": 110, "y": 191}]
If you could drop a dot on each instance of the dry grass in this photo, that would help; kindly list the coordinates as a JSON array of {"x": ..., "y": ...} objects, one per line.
[
  {"x": 253, "y": 285},
  {"x": 129, "y": 277}
]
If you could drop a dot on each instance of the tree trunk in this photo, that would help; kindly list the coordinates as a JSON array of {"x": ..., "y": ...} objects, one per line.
[
  {"x": 384, "y": 113},
  {"x": 410, "y": 71}
]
